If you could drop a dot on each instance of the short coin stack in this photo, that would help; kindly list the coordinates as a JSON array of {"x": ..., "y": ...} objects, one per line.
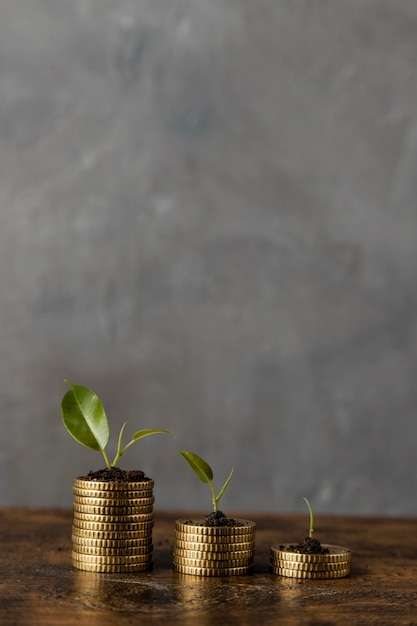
[
  {"x": 112, "y": 526},
  {"x": 214, "y": 550},
  {"x": 335, "y": 564}
]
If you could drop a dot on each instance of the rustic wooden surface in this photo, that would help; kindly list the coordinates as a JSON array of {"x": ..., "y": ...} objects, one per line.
[{"x": 39, "y": 586}]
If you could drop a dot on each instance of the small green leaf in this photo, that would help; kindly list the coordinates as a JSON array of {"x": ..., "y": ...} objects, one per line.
[
  {"x": 223, "y": 489},
  {"x": 310, "y": 510},
  {"x": 138, "y": 435},
  {"x": 145, "y": 433},
  {"x": 84, "y": 417},
  {"x": 200, "y": 467},
  {"x": 119, "y": 441}
]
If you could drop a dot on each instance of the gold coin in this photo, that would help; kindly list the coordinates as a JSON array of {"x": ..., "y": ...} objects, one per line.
[
  {"x": 95, "y": 517},
  {"x": 101, "y": 485},
  {"x": 113, "y": 526},
  {"x": 106, "y": 551},
  {"x": 331, "y": 558},
  {"x": 111, "y": 559},
  {"x": 112, "y": 543},
  {"x": 247, "y": 528},
  {"x": 111, "y": 495},
  {"x": 214, "y": 547},
  {"x": 213, "y": 556},
  {"x": 112, "y": 569},
  {"x": 82, "y": 545},
  {"x": 110, "y": 550},
  {"x": 108, "y": 535},
  {"x": 293, "y": 573},
  {"x": 211, "y": 539},
  {"x": 336, "y": 554},
  {"x": 119, "y": 544},
  {"x": 112, "y": 510},
  {"x": 96, "y": 551},
  {"x": 211, "y": 571},
  {"x": 113, "y": 502},
  {"x": 212, "y": 564},
  {"x": 285, "y": 563},
  {"x": 309, "y": 567}
]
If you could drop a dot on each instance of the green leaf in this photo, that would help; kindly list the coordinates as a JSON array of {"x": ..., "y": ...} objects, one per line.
[
  {"x": 311, "y": 528},
  {"x": 84, "y": 417},
  {"x": 138, "y": 435},
  {"x": 200, "y": 467},
  {"x": 226, "y": 484},
  {"x": 145, "y": 433},
  {"x": 119, "y": 442}
]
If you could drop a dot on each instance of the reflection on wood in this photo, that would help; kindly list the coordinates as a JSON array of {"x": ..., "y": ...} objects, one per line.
[{"x": 39, "y": 586}]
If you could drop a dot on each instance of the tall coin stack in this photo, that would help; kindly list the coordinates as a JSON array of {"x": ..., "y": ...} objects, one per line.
[
  {"x": 335, "y": 564},
  {"x": 214, "y": 550},
  {"x": 112, "y": 526}
]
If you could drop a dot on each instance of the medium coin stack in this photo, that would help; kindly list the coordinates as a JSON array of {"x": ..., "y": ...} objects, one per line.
[
  {"x": 214, "y": 550},
  {"x": 335, "y": 564},
  {"x": 112, "y": 526}
]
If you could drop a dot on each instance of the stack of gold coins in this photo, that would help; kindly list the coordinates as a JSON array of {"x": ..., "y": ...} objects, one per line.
[
  {"x": 112, "y": 526},
  {"x": 334, "y": 564},
  {"x": 214, "y": 550}
]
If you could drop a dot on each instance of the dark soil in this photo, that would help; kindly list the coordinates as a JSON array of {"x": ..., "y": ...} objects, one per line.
[
  {"x": 116, "y": 475},
  {"x": 308, "y": 546},
  {"x": 216, "y": 518}
]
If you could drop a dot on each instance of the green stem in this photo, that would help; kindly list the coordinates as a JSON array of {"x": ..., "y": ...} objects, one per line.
[
  {"x": 213, "y": 497},
  {"x": 107, "y": 460},
  {"x": 121, "y": 452}
]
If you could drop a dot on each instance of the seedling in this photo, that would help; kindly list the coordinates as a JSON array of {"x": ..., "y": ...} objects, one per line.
[
  {"x": 205, "y": 474},
  {"x": 86, "y": 421},
  {"x": 311, "y": 525}
]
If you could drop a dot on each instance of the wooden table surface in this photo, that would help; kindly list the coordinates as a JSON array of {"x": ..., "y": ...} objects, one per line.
[{"x": 39, "y": 587}]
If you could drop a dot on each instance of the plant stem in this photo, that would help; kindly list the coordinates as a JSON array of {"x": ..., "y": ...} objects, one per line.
[
  {"x": 213, "y": 497},
  {"x": 107, "y": 460}
]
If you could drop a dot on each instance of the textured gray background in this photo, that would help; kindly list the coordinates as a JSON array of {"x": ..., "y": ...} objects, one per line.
[{"x": 208, "y": 214}]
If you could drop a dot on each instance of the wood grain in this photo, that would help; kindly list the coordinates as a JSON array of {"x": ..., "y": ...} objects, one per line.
[{"x": 39, "y": 586}]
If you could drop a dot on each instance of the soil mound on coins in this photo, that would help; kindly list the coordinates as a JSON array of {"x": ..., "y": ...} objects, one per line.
[
  {"x": 115, "y": 474},
  {"x": 308, "y": 546},
  {"x": 216, "y": 518}
]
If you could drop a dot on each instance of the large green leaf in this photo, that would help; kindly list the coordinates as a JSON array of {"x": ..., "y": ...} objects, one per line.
[
  {"x": 84, "y": 417},
  {"x": 200, "y": 467}
]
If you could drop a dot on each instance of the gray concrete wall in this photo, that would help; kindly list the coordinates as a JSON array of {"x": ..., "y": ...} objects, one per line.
[{"x": 208, "y": 214}]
